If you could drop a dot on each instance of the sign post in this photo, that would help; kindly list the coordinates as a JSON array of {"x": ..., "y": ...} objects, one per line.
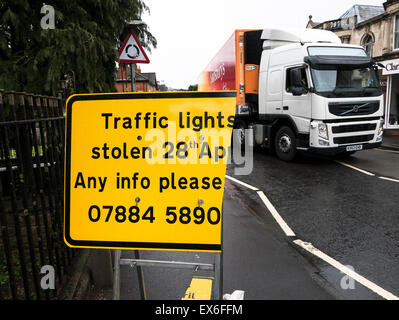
[
  {"x": 145, "y": 171},
  {"x": 132, "y": 52}
]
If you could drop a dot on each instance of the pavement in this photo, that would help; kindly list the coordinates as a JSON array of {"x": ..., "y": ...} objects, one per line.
[{"x": 259, "y": 259}]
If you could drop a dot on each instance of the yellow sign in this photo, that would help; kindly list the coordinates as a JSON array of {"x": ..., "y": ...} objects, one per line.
[
  {"x": 200, "y": 289},
  {"x": 146, "y": 170}
]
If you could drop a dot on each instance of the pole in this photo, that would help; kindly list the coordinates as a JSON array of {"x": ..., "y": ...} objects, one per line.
[
  {"x": 133, "y": 75},
  {"x": 117, "y": 270},
  {"x": 140, "y": 274}
]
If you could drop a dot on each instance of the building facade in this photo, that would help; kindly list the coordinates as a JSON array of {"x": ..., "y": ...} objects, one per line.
[
  {"x": 144, "y": 82},
  {"x": 376, "y": 28}
]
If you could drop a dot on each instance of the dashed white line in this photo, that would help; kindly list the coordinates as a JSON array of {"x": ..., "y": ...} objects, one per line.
[
  {"x": 276, "y": 215},
  {"x": 242, "y": 183},
  {"x": 366, "y": 172},
  {"x": 354, "y": 275},
  {"x": 355, "y": 168},
  {"x": 389, "y": 179},
  {"x": 390, "y": 151}
]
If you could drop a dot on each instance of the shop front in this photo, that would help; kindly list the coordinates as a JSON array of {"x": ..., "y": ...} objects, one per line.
[{"x": 391, "y": 71}]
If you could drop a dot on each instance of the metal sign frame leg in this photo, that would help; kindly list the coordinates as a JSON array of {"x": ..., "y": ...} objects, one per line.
[
  {"x": 217, "y": 288},
  {"x": 140, "y": 276},
  {"x": 218, "y": 281},
  {"x": 217, "y": 268},
  {"x": 117, "y": 268},
  {"x": 117, "y": 276}
]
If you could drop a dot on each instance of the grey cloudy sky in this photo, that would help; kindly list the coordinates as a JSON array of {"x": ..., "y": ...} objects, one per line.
[{"x": 190, "y": 32}]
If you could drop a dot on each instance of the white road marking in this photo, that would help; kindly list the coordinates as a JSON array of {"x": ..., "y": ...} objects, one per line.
[
  {"x": 366, "y": 172},
  {"x": 355, "y": 168},
  {"x": 389, "y": 179},
  {"x": 276, "y": 215},
  {"x": 287, "y": 230},
  {"x": 354, "y": 275},
  {"x": 390, "y": 151},
  {"x": 242, "y": 183}
]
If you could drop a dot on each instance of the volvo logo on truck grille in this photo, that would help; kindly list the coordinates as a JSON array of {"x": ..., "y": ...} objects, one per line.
[{"x": 347, "y": 108}]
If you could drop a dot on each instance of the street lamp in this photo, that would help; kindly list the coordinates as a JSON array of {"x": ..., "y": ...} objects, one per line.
[{"x": 135, "y": 22}]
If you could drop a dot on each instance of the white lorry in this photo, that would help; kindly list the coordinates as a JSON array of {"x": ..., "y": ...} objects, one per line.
[{"x": 300, "y": 91}]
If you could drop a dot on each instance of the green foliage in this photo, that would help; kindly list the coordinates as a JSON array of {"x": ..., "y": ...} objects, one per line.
[
  {"x": 193, "y": 87},
  {"x": 85, "y": 40}
]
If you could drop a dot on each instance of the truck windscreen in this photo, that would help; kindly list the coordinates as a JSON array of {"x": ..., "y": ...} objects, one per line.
[{"x": 342, "y": 82}]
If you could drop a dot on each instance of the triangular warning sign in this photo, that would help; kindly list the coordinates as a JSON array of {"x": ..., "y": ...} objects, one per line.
[{"x": 132, "y": 51}]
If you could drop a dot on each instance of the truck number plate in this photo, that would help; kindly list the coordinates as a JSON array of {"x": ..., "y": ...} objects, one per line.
[{"x": 354, "y": 148}]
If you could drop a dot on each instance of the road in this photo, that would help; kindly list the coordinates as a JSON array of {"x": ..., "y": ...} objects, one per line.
[
  {"x": 348, "y": 210},
  {"x": 351, "y": 215}
]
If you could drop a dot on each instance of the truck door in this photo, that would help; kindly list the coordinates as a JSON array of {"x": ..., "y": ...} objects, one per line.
[
  {"x": 274, "y": 93},
  {"x": 298, "y": 106}
]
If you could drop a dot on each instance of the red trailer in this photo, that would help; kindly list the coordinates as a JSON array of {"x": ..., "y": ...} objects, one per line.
[{"x": 231, "y": 68}]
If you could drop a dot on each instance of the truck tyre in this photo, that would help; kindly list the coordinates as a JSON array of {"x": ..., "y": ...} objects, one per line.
[
  {"x": 285, "y": 144},
  {"x": 239, "y": 133}
]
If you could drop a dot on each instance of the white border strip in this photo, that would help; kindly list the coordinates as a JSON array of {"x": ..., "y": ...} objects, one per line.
[
  {"x": 389, "y": 179},
  {"x": 354, "y": 168},
  {"x": 242, "y": 183},
  {"x": 287, "y": 230},
  {"x": 276, "y": 215},
  {"x": 354, "y": 275}
]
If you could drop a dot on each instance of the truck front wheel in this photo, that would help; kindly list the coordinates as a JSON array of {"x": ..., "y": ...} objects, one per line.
[{"x": 285, "y": 144}]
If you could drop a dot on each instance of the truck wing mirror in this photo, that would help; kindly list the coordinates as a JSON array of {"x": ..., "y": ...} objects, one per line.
[{"x": 296, "y": 77}]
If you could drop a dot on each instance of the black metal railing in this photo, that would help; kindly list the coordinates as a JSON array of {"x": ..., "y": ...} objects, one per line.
[{"x": 31, "y": 194}]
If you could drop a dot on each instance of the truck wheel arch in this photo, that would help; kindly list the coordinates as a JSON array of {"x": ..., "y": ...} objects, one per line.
[{"x": 283, "y": 120}]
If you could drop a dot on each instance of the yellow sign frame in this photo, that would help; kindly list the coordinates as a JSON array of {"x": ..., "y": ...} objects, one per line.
[{"x": 76, "y": 230}]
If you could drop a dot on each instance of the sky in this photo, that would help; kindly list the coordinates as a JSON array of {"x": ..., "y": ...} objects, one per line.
[{"x": 191, "y": 32}]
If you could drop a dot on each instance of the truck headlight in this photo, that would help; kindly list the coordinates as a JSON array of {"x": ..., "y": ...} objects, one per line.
[
  {"x": 323, "y": 132},
  {"x": 380, "y": 131}
]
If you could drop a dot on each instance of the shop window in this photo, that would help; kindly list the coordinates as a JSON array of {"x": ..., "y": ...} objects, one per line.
[{"x": 394, "y": 106}]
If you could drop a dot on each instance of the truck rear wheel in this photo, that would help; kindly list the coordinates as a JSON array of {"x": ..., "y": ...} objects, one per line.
[{"x": 285, "y": 144}]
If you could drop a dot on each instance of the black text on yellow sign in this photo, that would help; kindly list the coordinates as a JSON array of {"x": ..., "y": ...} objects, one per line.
[{"x": 146, "y": 170}]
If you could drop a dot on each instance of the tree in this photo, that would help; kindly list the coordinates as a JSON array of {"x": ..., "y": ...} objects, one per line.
[{"x": 84, "y": 41}]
